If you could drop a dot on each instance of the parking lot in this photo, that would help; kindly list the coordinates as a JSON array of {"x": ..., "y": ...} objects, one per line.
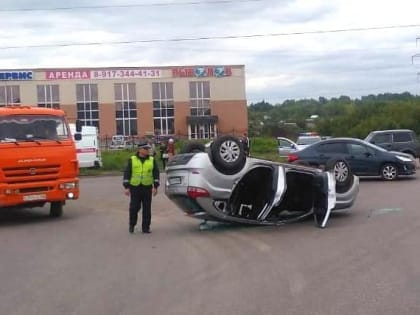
[{"x": 367, "y": 260}]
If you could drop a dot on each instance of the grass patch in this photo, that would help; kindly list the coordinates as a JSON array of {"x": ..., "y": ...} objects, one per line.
[{"x": 265, "y": 148}]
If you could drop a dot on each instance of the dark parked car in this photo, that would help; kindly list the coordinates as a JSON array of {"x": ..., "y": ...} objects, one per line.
[
  {"x": 402, "y": 140},
  {"x": 218, "y": 182},
  {"x": 364, "y": 158}
]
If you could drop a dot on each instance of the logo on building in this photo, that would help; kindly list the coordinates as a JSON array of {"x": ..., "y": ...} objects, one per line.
[
  {"x": 16, "y": 75},
  {"x": 202, "y": 71},
  {"x": 222, "y": 71}
]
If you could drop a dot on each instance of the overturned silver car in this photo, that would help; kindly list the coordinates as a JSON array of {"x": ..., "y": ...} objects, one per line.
[{"x": 220, "y": 183}]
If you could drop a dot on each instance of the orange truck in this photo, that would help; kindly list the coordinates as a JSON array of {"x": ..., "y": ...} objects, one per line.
[{"x": 38, "y": 162}]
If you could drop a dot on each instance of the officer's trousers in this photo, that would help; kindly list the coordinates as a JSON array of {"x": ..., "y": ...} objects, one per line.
[{"x": 141, "y": 197}]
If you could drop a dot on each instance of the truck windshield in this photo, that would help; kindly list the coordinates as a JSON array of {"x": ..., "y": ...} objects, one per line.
[{"x": 15, "y": 128}]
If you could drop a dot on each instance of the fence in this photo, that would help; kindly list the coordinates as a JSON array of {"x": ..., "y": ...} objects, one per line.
[{"x": 132, "y": 141}]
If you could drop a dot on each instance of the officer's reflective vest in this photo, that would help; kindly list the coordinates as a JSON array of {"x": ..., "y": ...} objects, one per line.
[{"x": 141, "y": 173}]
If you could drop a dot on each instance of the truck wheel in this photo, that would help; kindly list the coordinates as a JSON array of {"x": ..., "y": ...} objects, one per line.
[{"x": 56, "y": 209}]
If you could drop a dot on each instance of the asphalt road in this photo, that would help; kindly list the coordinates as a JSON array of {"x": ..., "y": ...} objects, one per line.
[{"x": 367, "y": 260}]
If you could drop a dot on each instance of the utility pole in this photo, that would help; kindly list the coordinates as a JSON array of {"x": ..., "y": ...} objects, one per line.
[{"x": 413, "y": 58}]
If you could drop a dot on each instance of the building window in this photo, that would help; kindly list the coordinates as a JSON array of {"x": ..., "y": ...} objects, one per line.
[
  {"x": 202, "y": 131},
  {"x": 125, "y": 109},
  {"x": 48, "y": 96},
  {"x": 9, "y": 95},
  {"x": 87, "y": 104},
  {"x": 200, "y": 106},
  {"x": 200, "y": 98},
  {"x": 163, "y": 108}
]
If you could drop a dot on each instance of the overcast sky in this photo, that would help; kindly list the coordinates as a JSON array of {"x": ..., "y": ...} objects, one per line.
[{"x": 291, "y": 49}]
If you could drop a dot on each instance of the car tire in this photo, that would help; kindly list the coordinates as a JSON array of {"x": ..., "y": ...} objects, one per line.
[
  {"x": 228, "y": 155},
  {"x": 56, "y": 209},
  {"x": 389, "y": 172},
  {"x": 342, "y": 172},
  {"x": 193, "y": 147}
]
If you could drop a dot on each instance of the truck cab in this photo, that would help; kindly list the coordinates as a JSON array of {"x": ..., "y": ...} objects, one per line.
[{"x": 38, "y": 162}]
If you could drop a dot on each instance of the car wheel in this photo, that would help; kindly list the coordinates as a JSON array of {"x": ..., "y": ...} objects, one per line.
[
  {"x": 193, "y": 147},
  {"x": 228, "y": 155},
  {"x": 389, "y": 171},
  {"x": 56, "y": 209},
  {"x": 342, "y": 173}
]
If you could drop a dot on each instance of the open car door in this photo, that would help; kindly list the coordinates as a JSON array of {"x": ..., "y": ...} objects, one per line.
[
  {"x": 267, "y": 191},
  {"x": 255, "y": 193},
  {"x": 278, "y": 186},
  {"x": 286, "y": 146},
  {"x": 325, "y": 200}
]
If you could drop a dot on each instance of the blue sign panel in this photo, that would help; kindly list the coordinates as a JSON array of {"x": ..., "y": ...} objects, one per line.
[
  {"x": 16, "y": 75},
  {"x": 219, "y": 72},
  {"x": 200, "y": 72}
]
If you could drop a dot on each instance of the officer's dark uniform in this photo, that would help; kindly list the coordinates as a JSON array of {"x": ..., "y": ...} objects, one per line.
[{"x": 140, "y": 175}]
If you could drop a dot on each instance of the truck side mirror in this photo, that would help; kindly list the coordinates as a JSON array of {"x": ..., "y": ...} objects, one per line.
[
  {"x": 78, "y": 125},
  {"x": 77, "y": 136}
]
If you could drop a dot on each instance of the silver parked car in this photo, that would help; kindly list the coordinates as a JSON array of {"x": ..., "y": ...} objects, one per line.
[
  {"x": 219, "y": 183},
  {"x": 287, "y": 146}
]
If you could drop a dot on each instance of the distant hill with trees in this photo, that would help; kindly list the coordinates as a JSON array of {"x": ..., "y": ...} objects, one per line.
[{"x": 341, "y": 116}]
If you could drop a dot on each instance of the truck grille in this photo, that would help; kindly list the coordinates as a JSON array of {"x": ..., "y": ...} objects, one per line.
[{"x": 37, "y": 173}]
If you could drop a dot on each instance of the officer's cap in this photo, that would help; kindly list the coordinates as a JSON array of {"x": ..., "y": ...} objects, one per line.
[{"x": 143, "y": 144}]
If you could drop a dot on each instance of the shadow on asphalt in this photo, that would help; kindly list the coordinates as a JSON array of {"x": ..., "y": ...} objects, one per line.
[
  {"x": 20, "y": 216},
  {"x": 379, "y": 179},
  {"x": 222, "y": 227}
]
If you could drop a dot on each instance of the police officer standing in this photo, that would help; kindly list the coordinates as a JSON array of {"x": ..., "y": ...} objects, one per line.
[{"x": 141, "y": 181}]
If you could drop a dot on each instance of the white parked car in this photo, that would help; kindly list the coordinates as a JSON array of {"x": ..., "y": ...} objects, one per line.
[{"x": 287, "y": 146}]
